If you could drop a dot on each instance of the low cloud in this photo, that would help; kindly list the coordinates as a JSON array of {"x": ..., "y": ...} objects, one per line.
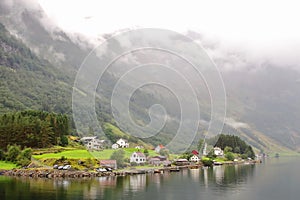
[{"x": 235, "y": 124}]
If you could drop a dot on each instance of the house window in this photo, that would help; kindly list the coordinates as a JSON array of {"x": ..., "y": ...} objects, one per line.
[{"x": 136, "y": 160}]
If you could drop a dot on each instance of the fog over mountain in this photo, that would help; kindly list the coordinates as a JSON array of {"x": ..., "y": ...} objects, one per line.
[{"x": 261, "y": 72}]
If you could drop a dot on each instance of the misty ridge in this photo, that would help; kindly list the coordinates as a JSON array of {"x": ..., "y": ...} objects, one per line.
[{"x": 262, "y": 84}]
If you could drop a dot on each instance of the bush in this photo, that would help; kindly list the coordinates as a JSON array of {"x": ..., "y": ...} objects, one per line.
[
  {"x": 133, "y": 164},
  {"x": 64, "y": 141},
  {"x": 24, "y": 158},
  {"x": 146, "y": 152},
  {"x": 119, "y": 156},
  {"x": 13, "y": 152},
  {"x": 229, "y": 156},
  {"x": 227, "y": 149},
  {"x": 164, "y": 152},
  {"x": 211, "y": 154},
  {"x": 207, "y": 162},
  {"x": 27, "y": 153},
  {"x": 22, "y": 161}
]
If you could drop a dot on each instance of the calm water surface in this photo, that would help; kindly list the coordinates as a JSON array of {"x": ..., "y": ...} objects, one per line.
[{"x": 272, "y": 180}]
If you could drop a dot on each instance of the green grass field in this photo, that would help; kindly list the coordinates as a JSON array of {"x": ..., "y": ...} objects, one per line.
[
  {"x": 83, "y": 154},
  {"x": 7, "y": 165}
]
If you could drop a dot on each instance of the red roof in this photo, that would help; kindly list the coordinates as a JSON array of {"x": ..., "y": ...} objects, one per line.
[{"x": 195, "y": 152}]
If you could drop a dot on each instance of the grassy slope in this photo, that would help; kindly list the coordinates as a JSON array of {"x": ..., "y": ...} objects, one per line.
[
  {"x": 83, "y": 154},
  {"x": 120, "y": 134},
  {"x": 7, "y": 165}
]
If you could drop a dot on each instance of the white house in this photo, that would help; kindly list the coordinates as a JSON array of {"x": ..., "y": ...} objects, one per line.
[
  {"x": 194, "y": 158},
  {"x": 218, "y": 151},
  {"x": 138, "y": 157},
  {"x": 115, "y": 146},
  {"x": 92, "y": 142},
  {"x": 122, "y": 143},
  {"x": 159, "y": 147}
]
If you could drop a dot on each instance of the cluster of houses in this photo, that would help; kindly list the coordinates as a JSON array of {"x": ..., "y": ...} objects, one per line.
[
  {"x": 93, "y": 143},
  {"x": 195, "y": 158}
]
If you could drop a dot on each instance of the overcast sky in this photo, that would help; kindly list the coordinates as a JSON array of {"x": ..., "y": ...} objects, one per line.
[{"x": 264, "y": 28}]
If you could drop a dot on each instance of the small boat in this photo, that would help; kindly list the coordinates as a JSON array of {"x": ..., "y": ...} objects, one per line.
[
  {"x": 175, "y": 169},
  {"x": 218, "y": 163}
]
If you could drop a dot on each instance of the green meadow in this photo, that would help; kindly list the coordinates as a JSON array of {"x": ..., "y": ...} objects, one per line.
[
  {"x": 7, "y": 165},
  {"x": 84, "y": 154}
]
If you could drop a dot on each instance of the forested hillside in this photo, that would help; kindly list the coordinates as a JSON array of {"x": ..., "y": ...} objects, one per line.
[
  {"x": 36, "y": 129},
  {"x": 28, "y": 82}
]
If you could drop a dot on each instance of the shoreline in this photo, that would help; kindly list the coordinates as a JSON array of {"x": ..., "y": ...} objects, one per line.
[{"x": 54, "y": 173}]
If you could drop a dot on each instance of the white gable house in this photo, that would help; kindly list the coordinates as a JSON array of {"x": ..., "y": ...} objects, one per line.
[
  {"x": 194, "y": 158},
  {"x": 122, "y": 143},
  {"x": 92, "y": 142},
  {"x": 218, "y": 151},
  {"x": 138, "y": 157},
  {"x": 115, "y": 146}
]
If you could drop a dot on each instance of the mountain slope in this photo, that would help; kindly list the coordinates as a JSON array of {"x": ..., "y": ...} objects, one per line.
[
  {"x": 265, "y": 102},
  {"x": 28, "y": 82}
]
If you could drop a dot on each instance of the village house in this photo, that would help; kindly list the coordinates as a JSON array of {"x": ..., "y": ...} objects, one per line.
[
  {"x": 194, "y": 158},
  {"x": 161, "y": 158},
  {"x": 218, "y": 151},
  {"x": 157, "y": 160},
  {"x": 115, "y": 146},
  {"x": 159, "y": 147},
  {"x": 138, "y": 157},
  {"x": 108, "y": 163},
  {"x": 154, "y": 161},
  {"x": 92, "y": 143},
  {"x": 195, "y": 152},
  {"x": 121, "y": 143},
  {"x": 181, "y": 162},
  {"x": 139, "y": 147}
]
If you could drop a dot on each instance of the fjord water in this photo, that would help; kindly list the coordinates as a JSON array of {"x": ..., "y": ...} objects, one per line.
[{"x": 276, "y": 178}]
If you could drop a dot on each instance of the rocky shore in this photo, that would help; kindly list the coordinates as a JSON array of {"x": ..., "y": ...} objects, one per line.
[
  {"x": 51, "y": 173},
  {"x": 54, "y": 173}
]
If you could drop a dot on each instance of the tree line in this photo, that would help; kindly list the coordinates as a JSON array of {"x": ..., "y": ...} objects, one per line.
[
  {"x": 37, "y": 129},
  {"x": 235, "y": 144}
]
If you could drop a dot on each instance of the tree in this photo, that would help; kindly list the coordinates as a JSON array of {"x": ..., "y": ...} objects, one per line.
[
  {"x": 229, "y": 156},
  {"x": 164, "y": 152},
  {"x": 146, "y": 152},
  {"x": 211, "y": 154},
  {"x": 227, "y": 149},
  {"x": 2, "y": 154},
  {"x": 119, "y": 156},
  {"x": 249, "y": 152},
  {"x": 27, "y": 153},
  {"x": 237, "y": 150},
  {"x": 64, "y": 140},
  {"x": 13, "y": 152},
  {"x": 186, "y": 155}
]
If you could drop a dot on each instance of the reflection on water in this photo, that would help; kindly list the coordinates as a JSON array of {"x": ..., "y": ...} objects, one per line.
[{"x": 219, "y": 182}]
